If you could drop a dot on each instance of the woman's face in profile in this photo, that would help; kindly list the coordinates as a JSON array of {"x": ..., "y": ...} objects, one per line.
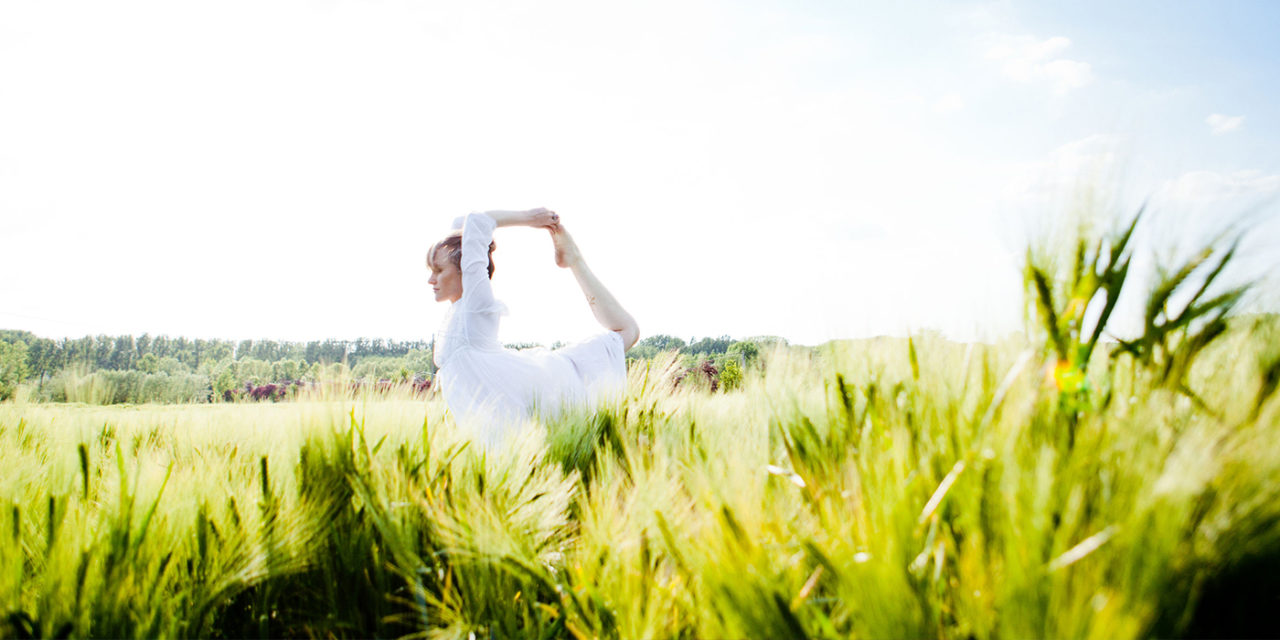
[{"x": 446, "y": 279}]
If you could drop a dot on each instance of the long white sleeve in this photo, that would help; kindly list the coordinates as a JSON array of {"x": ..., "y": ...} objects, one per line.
[{"x": 477, "y": 233}]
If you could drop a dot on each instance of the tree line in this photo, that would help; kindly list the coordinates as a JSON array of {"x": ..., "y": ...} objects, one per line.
[
  {"x": 46, "y": 356},
  {"x": 148, "y": 368}
]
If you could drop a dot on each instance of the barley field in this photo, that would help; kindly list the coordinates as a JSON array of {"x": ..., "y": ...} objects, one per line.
[
  {"x": 886, "y": 488},
  {"x": 1061, "y": 484}
]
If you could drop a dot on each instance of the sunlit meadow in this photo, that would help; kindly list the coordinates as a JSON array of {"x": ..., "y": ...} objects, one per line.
[{"x": 1062, "y": 484}]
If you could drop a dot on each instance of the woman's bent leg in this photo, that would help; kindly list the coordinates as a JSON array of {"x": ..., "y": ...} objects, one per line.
[{"x": 603, "y": 305}]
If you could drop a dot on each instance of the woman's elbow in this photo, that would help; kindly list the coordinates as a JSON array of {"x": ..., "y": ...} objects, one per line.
[{"x": 630, "y": 335}]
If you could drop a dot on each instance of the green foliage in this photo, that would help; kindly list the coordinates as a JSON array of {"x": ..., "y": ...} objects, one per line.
[
  {"x": 334, "y": 371},
  {"x": 414, "y": 364},
  {"x": 181, "y": 355},
  {"x": 254, "y": 371},
  {"x": 285, "y": 370},
  {"x": 768, "y": 341},
  {"x": 1175, "y": 333},
  {"x": 125, "y": 387},
  {"x": 1185, "y": 311},
  {"x": 1266, "y": 331},
  {"x": 643, "y": 352},
  {"x": 13, "y": 367},
  {"x": 745, "y": 352},
  {"x": 662, "y": 342},
  {"x": 1097, "y": 273},
  {"x": 231, "y": 366},
  {"x": 708, "y": 346},
  {"x": 225, "y": 381},
  {"x": 148, "y": 363},
  {"x": 172, "y": 366},
  {"x": 730, "y": 375}
]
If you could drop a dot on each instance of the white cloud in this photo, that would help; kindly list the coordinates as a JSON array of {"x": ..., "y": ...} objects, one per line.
[
  {"x": 948, "y": 103},
  {"x": 1205, "y": 186},
  {"x": 1085, "y": 162},
  {"x": 1065, "y": 75},
  {"x": 1030, "y": 60},
  {"x": 1224, "y": 124},
  {"x": 1199, "y": 206}
]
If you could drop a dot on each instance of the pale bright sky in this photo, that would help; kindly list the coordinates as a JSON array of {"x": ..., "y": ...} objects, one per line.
[{"x": 815, "y": 170}]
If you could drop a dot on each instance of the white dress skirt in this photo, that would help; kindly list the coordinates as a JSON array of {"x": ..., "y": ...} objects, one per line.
[{"x": 492, "y": 391}]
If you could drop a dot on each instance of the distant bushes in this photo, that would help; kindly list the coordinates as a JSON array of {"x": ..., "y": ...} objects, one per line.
[
  {"x": 711, "y": 364},
  {"x": 276, "y": 391},
  {"x": 136, "y": 387},
  {"x": 227, "y": 381},
  {"x": 414, "y": 364},
  {"x": 270, "y": 391},
  {"x": 703, "y": 375},
  {"x": 120, "y": 387}
]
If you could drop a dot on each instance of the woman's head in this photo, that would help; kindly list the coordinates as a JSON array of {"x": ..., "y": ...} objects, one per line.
[{"x": 444, "y": 259}]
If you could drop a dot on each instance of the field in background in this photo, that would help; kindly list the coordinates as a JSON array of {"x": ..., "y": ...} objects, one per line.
[{"x": 875, "y": 488}]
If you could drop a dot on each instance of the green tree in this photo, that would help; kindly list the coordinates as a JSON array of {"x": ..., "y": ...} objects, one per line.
[
  {"x": 148, "y": 363},
  {"x": 13, "y": 367},
  {"x": 312, "y": 352},
  {"x": 663, "y": 342},
  {"x": 225, "y": 381},
  {"x": 198, "y": 348},
  {"x": 745, "y": 352},
  {"x": 286, "y": 370},
  {"x": 78, "y": 351},
  {"x": 122, "y": 353},
  {"x": 270, "y": 350},
  {"x": 709, "y": 345},
  {"x": 254, "y": 370},
  {"x": 184, "y": 350},
  {"x": 160, "y": 345},
  {"x": 767, "y": 341},
  {"x": 172, "y": 366},
  {"x": 42, "y": 357},
  {"x": 143, "y": 344},
  {"x": 420, "y": 361},
  {"x": 642, "y": 352},
  {"x": 730, "y": 375},
  {"x": 102, "y": 349},
  {"x": 217, "y": 351}
]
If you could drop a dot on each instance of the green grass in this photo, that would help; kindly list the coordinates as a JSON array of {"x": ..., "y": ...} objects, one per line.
[{"x": 870, "y": 489}]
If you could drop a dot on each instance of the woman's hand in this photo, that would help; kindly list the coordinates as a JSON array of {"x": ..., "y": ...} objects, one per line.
[{"x": 542, "y": 217}]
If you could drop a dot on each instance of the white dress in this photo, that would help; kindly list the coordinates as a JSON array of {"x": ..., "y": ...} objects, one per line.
[{"x": 492, "y": 390}]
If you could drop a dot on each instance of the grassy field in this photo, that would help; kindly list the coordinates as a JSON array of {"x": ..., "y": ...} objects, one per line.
[
  {"x": 1064, "y": 485},
  {"x": 870, "y": 489}
]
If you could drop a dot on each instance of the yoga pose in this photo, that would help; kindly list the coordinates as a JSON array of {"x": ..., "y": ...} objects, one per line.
[{"x": 490, "y": 389}]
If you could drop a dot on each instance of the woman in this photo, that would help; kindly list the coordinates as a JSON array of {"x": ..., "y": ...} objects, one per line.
[{"x": 491, "y": 389}]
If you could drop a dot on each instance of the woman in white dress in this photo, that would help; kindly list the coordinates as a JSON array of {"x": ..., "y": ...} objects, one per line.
[{"x": 492, "y": 390}]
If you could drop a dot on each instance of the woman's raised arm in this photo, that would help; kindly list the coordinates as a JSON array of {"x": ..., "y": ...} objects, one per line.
[{"x": 540, "y": 217}]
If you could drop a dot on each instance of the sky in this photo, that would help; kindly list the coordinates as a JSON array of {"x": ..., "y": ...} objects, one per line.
[{"x": 811, "y": 170}]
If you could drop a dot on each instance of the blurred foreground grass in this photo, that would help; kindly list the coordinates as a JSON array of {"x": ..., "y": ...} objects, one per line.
[{"x": 879, "y": 488}]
